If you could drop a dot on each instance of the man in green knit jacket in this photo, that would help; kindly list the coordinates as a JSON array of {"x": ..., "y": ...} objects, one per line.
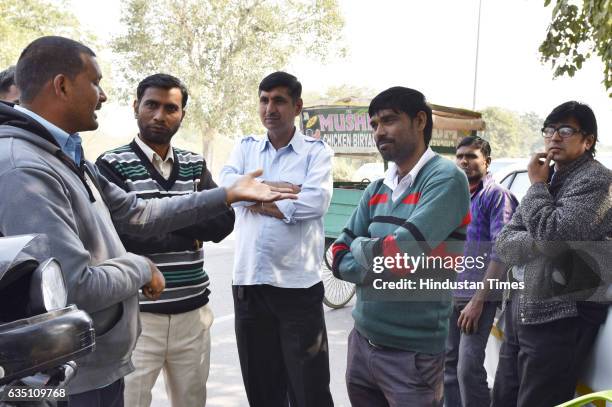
[{"x": 396, "y": 350}]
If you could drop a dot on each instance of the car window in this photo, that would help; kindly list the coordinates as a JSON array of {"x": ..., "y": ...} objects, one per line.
[
  {"x": 520, "y": 184},
  {"x": 605, "y": 160},
  {"x": 507, "y": 180}
]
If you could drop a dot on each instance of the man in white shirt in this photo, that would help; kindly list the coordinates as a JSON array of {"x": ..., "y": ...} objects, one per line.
[{"x": 278, "y": 293}]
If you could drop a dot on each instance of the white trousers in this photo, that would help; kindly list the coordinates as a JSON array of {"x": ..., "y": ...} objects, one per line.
[{"x": 180, "y": 345}]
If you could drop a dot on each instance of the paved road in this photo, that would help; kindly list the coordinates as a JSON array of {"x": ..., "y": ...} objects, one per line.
[{"x": 225, "y": 387}]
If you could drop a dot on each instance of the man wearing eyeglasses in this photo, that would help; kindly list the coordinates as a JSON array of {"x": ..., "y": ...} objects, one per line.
[{"x": 550, "y": 326}]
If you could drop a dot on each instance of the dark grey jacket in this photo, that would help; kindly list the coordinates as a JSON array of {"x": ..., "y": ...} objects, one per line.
[{"x": 562, "y": 234}]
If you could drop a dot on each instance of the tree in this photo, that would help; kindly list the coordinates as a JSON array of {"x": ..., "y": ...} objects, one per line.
[
  {"x": 25, "y": 20},
  {"x": 221, "y": 49},
  {"x": 336, "y": 93},
  {"x": 512, "y": 134},
  {"x": 575, "y": 33}
]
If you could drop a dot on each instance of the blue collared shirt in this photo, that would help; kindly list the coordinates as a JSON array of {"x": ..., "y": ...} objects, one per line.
[
  {"x": 69, "y": 143},
  {"x": 282, "y": 252}
]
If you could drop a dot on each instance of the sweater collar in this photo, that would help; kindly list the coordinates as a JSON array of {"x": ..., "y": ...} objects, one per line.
[{"x": 560, "y": 175}]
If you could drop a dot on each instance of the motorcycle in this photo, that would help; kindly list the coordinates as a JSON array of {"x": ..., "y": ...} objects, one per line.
[{"x": 40, "y": 335}]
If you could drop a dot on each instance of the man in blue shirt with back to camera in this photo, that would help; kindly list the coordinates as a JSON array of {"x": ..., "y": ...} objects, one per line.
[{"x": 278, "y": 293}]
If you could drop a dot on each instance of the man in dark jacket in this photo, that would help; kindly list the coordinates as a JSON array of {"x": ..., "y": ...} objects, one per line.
[
  {"x": 175, "y": 330},
  {"x": 556, "y": 243}
]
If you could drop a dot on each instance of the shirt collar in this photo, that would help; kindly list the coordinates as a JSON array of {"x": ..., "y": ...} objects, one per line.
[
  {"x": 391, "y": 175},
  {"x": 152, "y": 154},
  {"x": 297, "y": 142},
  {"x": 70, "y": 144},
  {"x": 485, "y": 181}
]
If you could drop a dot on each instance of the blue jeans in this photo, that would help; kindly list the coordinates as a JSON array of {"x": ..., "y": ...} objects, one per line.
[{"x": 465, "y": 378}]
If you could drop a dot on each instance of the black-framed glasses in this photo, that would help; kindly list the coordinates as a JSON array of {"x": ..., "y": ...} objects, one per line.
[{"x": 564, "y": 131}]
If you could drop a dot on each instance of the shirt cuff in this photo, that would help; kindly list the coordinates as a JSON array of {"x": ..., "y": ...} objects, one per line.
[
  {"x": 287, "y": 208},
  {"x": 143, "y": 267},
  {"x": 538, "y": 187}
]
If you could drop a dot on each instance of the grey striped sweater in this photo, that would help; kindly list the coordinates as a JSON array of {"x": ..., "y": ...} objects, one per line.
[{"x": 179, "y": 254}]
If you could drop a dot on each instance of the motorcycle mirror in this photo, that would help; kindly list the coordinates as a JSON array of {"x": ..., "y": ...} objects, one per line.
[{"x": 47, "y": 288}]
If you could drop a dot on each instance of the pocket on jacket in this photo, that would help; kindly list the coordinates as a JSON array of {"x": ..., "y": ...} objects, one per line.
[{"x": 116, "y": 343}]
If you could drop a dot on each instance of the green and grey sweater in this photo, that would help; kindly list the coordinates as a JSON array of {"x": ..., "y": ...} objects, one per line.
[
  {"x": 429, "y": 219},
  {"x": 179, "y": 254}
]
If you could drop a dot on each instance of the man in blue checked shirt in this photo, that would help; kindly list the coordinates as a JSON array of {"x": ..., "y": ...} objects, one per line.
[
  {"x": 278, "y": 293},
  {"x": 491, "y": 207}
]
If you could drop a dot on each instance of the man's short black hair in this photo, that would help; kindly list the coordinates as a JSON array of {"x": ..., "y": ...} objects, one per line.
[
  {"x": 480, "y": 143},
  {"x": 7, "y": 79},
  {"x": 162, "y": 81},
  {"x": 580, "y": 112},
  {"x": 285, "y": 79},
  {"x": 44, "y": 59},
  {"x": 406, "y": 100}
]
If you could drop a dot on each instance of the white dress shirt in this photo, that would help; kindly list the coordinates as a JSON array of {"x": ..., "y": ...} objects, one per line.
[
  {"x": 162, "y": 165},
  {"x": 282, "y": 252},
  {"x": 400, "y": 186}
]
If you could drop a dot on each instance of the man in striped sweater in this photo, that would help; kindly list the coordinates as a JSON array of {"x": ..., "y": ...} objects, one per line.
[
  {"x": 175, "y": 329},
  {"x": 396, "y": 349}
]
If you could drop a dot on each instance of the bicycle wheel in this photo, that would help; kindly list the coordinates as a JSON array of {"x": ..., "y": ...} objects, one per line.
[{"x": 337, "y": 292}]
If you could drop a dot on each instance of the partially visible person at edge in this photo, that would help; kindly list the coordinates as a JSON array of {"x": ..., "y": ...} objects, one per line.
[
  {"x": 396, "y": 349},
  {"x": 546, "y": 338},
  {"x": 47, "y": 187},
  {"x": 492, "y": 206},
  {"x": 175, "y": 330},
  {"x": 8, "y": 89},
  {"x": 278, "y": 293}
]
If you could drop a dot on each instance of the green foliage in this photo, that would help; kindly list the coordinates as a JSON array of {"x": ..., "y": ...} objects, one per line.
[
  {"x": 576, "y": 33},
  {"x": 25, "y": 20},
  {"x": 511, "y": 134},
  {"x": 221, "y": 49}
]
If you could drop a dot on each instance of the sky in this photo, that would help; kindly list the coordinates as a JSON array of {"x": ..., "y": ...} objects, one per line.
[{"x": 431, "y": 46}]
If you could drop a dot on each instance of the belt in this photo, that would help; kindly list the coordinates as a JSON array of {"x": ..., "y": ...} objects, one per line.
[{"x": 381, "y": 347}]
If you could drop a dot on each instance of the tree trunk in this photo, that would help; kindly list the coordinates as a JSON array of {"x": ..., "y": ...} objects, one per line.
[{"x": 208, "y": 139}]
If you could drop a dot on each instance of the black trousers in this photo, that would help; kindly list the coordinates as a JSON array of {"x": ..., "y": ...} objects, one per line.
[
  {"x": 109, "y": 396},
  {"x": 282, "y": 345},
  {"x": 539, "y": 364}
]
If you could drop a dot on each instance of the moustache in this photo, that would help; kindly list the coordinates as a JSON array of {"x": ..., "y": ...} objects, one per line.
[
  {"x": 158, "y": 128},
  {"x": 383, "y": 141}
]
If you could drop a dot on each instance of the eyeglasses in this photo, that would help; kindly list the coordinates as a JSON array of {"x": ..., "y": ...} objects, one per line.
[{"x": 564, "y": 131}]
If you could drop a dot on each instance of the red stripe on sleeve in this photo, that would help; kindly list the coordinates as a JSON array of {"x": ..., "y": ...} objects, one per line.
[
  {"x": 466, "y": 220},
  {"x": 412, "y": 199},
  {"x": 338, "y": 247},
  {"x": 378, "y": 199},
  {"x": 441, "y": 251},
  {"x": 391, "y": 249}
]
